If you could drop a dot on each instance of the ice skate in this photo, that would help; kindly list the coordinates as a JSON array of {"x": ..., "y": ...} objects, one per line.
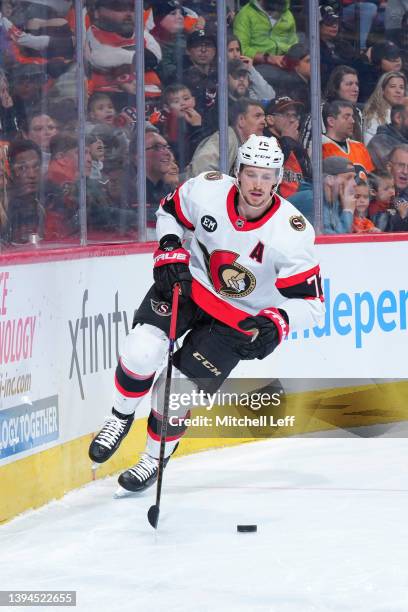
[{"x": 108, "y": 440}]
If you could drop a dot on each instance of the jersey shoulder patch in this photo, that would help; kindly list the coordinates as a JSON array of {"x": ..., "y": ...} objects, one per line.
[
  {"x": 214, "y": 175},
  {"x": 297, "y": 222}
]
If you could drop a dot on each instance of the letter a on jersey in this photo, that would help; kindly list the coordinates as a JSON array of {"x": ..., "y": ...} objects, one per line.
[{"x": 257, "y": 252}]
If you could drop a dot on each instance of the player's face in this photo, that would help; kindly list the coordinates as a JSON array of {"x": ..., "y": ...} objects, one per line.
[{"x": 256, "y": 184}]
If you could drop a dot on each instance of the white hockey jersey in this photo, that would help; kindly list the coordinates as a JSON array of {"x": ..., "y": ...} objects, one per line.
[{"x": 240, "y": 267}]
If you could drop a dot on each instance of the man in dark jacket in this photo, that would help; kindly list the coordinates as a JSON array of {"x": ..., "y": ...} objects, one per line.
[{"x": 390, "y": 135}]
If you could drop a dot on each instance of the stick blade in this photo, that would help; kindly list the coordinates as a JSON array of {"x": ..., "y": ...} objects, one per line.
[{"x": 153, "y": 515}]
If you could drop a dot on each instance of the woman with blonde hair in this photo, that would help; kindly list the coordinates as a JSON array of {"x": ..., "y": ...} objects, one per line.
[{"x": 391, "y": 88}]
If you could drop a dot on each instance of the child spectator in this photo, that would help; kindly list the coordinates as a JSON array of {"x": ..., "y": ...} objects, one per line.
[
  {"x": 361, "y": 223},
  {"x": 101, "y": 109},
  {"x": 382, "y": 194},
  {"x": 184, "y": 127}
]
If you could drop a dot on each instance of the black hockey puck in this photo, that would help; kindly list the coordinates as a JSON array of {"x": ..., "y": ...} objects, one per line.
[{"x": 246, "y": 528}]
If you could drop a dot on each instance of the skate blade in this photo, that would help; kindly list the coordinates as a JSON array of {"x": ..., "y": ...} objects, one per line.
[
  {"x": 121, "y": 493},
  {"x": 95, "y": 466}
]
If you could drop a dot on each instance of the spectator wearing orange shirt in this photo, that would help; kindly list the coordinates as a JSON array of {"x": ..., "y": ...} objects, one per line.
[{"x": 339, "y": 122}]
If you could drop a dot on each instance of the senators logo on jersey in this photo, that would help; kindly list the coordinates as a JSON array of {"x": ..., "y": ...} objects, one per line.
[{"x": 228, "y": 277}]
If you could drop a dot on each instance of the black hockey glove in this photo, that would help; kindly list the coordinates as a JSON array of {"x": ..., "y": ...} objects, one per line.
[
  {"x": 171, "y": 266},
  {"x": 270, "y": 326}
]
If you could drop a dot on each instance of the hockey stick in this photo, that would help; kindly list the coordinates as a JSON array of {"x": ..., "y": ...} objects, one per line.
[{"x": 154, "y": 511}]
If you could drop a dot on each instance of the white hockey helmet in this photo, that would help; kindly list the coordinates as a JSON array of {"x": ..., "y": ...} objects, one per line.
[{"x": 260, "y": 151}]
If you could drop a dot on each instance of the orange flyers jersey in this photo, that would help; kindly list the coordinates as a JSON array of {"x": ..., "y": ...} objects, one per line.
[
  {"x": 240, "y": 267},
  {"x": 356, "y": 152}
]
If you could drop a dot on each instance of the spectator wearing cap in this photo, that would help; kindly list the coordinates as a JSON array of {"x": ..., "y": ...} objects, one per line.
[
  {"x": 390, "y": 135},
  {"x": 238, "y": 80},
  {"x": 333, "y": 50},
  {"x": 381, "y": 58},
  {"x": 267, "y": 30},
  {"x": 258, "y": 87},
  {"x": 110, "y": 43},
  {"x": 390, "y": 89},
  {"x": 282, "y": 121},
  {"x": 200, "y": 69},
  {"x": 339, "y": 122},
  {"x": 362, "y": 13},
  {"x": 343, "y": 84},
  {"x": 169, "y": 32},
  {"x": 246, "y": 117},
  {"x": 339, "y": 202}
]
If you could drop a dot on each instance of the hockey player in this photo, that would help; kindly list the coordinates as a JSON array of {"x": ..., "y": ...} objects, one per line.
[{"x": 250, "y": 266}]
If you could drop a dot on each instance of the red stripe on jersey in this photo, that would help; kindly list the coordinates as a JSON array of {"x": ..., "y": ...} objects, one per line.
[
  {"x": 129, "y": 393},
  {"x": 153, "y": 435},
  {"x": 244, "y": 225},
  {"x": 175, "y": 196},
  {"x": 289, "y": 281},
  {"x": 217, "y": 308}
]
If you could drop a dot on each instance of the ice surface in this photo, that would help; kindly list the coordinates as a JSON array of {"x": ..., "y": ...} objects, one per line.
[{"x": 332, "y": 534}]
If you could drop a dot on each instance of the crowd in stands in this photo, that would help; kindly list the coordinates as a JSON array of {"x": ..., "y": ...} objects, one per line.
[{"x": 364, "y": 113}]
